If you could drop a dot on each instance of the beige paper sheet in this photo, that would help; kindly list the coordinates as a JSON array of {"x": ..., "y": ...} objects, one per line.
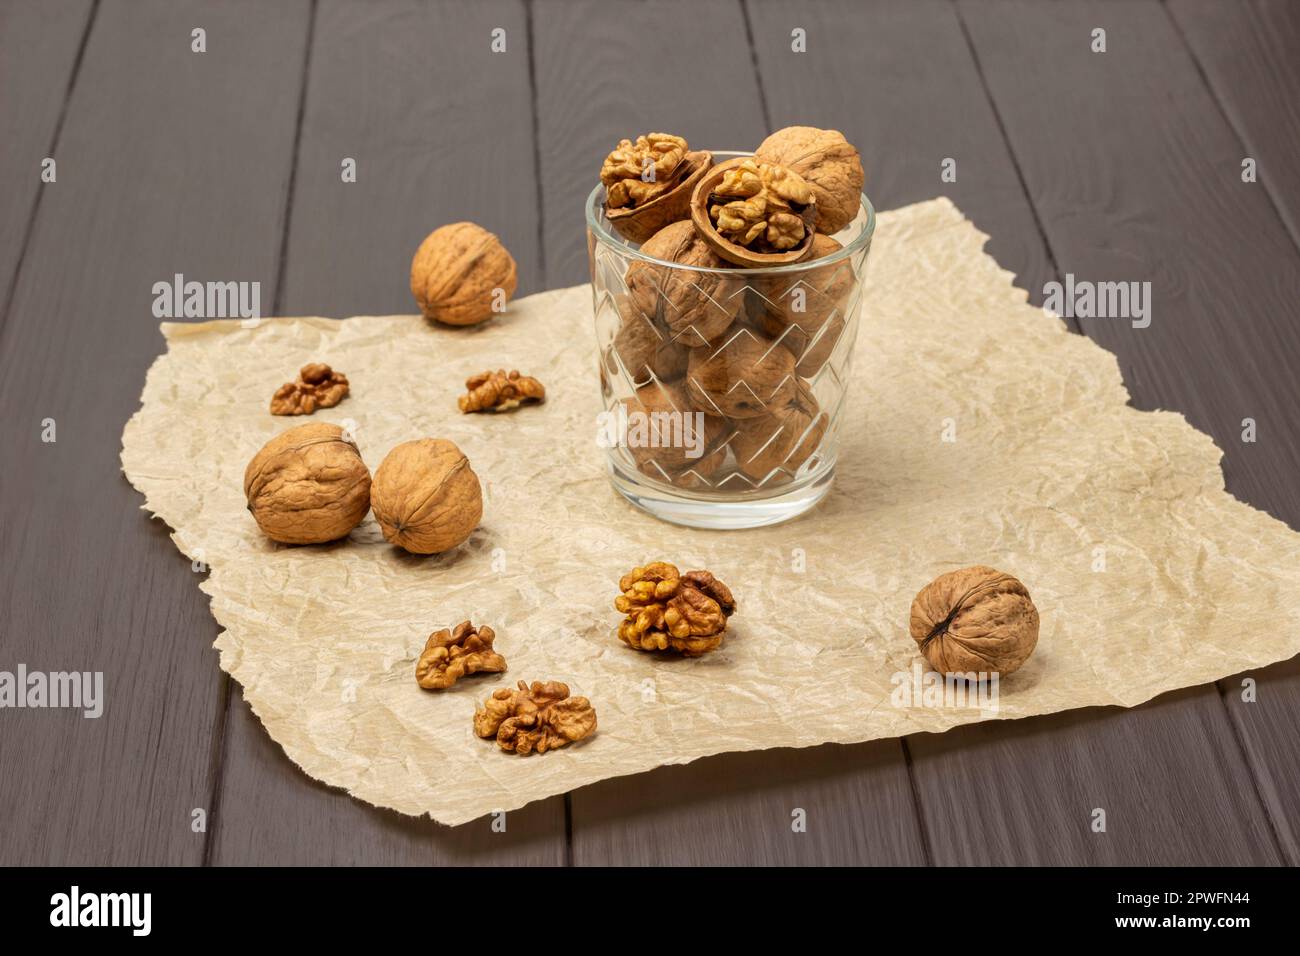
[{"x": 1051, "y": 477}]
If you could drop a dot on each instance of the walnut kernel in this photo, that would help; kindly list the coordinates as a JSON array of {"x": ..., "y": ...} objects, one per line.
[
  {"x": 535, "y": 718},
  {"x": 668, "y": 610},
  {"x": 317, "y": 386},
  {"x": 499, "y": 391},
  {"x": 451, "y": 654}
]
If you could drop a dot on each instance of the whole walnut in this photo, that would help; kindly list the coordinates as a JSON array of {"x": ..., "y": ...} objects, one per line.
[
  {"x": 535, "y": 718},
  {"x": 808, "y": 298},
  {"x": 743, "y": 376},
  {"x": 695, "y": 306},
  {"x": 308, "y": 485},
  {"x": 462, "y": 274},
  {"x": 668, "y": 610},
  {"x": 426, "y": 497},
  {"x": 828, "y": 162},
  {"x": 783, "y": 439},
  {"x": 668, "y": 438},
  {"x": 976, "y": 619},
  {"x": 644, "y": 346}
]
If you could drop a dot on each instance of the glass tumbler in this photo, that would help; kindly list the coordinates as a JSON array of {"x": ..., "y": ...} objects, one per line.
[{"x": 723, "y": 389}]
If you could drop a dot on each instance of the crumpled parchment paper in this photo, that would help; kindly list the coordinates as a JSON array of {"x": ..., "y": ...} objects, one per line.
[{"x": 1147, "y": 575}]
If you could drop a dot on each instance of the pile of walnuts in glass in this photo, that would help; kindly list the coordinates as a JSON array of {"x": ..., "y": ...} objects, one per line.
[{"x": 738, "y": 346}]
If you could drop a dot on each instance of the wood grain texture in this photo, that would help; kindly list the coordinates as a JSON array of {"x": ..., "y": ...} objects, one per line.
[
  {"x": 441, "y": 130},
  {"x": 39, "y": 44},
  {"x": 1119, "y": 180},
  {"x": 914, "y": 100},
  {"x": 1248, "y": 54},
  {"x": 168, "y": 160},
  {"x": 734, "y": 808}
]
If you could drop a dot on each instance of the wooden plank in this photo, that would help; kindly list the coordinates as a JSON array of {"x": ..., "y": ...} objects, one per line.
[
  {"x": 735, "y": 808},
  {"x": 1128, "y": 188},
  {"x": 441, "y": 130},
  {"x": 1247, "y": 52},
  {"x": 39, "y": 46},
  {"x": 899, "y": 81},
  {"x": 169, "y": 161}
]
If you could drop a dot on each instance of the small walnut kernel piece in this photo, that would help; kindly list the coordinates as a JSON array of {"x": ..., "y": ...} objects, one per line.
[
  {"x": 535, "y": 718},
  {"x": 499, "y": 391},
  {"x": 317, "y": 386},
  {"x": 761, "y": 204},
  {"x": 451, "y": 654},
  {"x": 667, "y": 610},
  {"x": 636, "y": 173}
]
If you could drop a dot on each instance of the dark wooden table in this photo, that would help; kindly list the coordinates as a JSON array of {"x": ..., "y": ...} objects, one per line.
[{"x": 225, "y": 165}]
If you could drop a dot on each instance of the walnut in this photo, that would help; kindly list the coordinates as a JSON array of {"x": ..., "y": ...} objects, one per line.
[
  {"x": 426, "y": 497},
  {"x": 756, "y": 205},
  {"x": 667, "y": 610},
  {"x": 783, "y": 439},
  {"x": 976, "y": 619},
  {"x": 462, "y": 275},
  {"x": 805, "y": 299},
  {"x": 818, "y": 348},
  {"x": 644, "y": 347},
  {"x": 308, "y": 485},
  {"x": 695, "y": 306},
  {"x": 744, "y": 376},
  {"x": 668, "y": 439},
  {"x": 500, "y": 391},
  {"x": 451, "y": 654},
  {"x": 754, "y": 214},
  {"x": 648, "y": 183},
  {"x": 635, "y": 173},
  {"x": 318, "y": 386},
  {"x": 535, "y": 718},
  {"x": 830, "y": 165}
]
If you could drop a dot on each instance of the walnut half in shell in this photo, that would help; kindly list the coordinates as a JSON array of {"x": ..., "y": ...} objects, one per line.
[
  {"x": 648, "y": 183},
  {"x": 754, "y": 214}
]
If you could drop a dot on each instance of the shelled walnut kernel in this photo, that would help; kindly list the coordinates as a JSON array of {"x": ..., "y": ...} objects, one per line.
[
  {"x": 536, "y": 718},
  {"x": 499, "y": 391},
  {"x": 317, "y": 386},
  {"x": 668, "y": 610},
  {"x": 451, "y": 654}
]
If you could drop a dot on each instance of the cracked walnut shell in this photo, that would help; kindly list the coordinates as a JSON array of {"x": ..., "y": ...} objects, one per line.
[
  {"x": 536, "y": 718},
  {"x": 462, "y": 275},
  {"x": 648, "y": 183},
  {"x": 830, "y": 165},
  {"x": 667, "y": 610},
  {"x": 308, "y": 485},
  {"x": 451, "y": 654},
  {"x": 499, "y": 391},
  {"x": 974, "y": 620},
  {"x": 696, "y": 307},
  {"x": 318, "y": 386},
  {"x": 426, "y": 497},
  {"x": 754, "y": 214}
]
